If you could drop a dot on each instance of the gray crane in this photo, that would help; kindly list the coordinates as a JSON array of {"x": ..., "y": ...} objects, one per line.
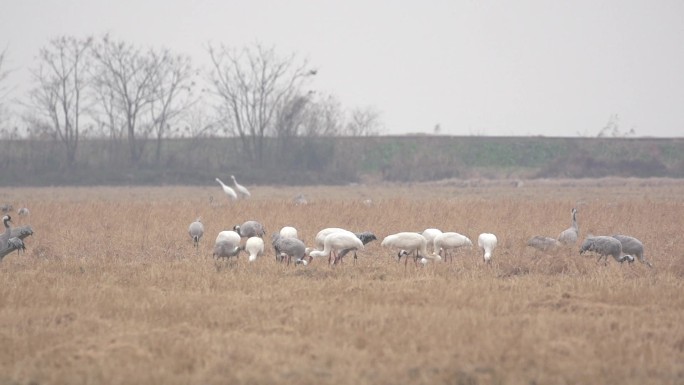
[
  {"x": 569, "y": 236},
  {"x": 634, "y": 247},
  {"x": 196, "y": 230},
  {"x": 10, "y": 242},
  {"x": 605, "y": 246},
  {"x": 250, "y": 229},
  {"x": 290, "y": 248},
  {"x": 542, "y": 243}
]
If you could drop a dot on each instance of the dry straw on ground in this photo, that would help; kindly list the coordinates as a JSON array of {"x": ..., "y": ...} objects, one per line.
[{"x": 111, "y": 290}]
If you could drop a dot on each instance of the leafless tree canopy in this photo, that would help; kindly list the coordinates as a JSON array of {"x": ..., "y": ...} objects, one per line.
[
  {"x": 363, "y": 122},
  {"x": 257, "y": 91},
  {"x": 173, "y": 92},
  {"x": 140, "y": 92},
  {"x": 136, "y": 97},
  {"x": 61, "y": 79}
]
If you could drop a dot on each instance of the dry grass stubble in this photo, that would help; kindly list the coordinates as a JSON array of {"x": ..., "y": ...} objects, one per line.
[{"x": 113, "y": 292}]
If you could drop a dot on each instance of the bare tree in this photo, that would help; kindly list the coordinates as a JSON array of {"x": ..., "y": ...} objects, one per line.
[
  {"x": 363, "y": 122},
  {"x": 125, "y": 81},
  {"x": 172, "y": 92},
  {"x": 612, "y": 128},
  {"x": 61, "y": 78},
  {"x": 254, "y": 85},
  {"x": 323, "y": 117},
  {"x": 290, "y": 118}
]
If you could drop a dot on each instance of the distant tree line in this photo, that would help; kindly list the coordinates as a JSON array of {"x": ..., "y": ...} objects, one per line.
[
  {"x": 136, "y": 98},
  {"x": 326, "y": 160}
]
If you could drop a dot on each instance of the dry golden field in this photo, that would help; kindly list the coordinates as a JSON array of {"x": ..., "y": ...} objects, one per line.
[{"x": 111, "y": 291}]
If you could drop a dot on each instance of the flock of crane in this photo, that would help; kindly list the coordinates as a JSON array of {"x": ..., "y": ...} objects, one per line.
[{"x": 335, "y": 243}]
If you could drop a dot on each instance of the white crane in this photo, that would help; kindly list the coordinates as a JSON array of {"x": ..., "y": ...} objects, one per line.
[
  {"x": 228, "y": 235},
  {"x": 366, "y": 237},
  {"x": 430, "y": 235},
  {"x": 408, "y": 243},
  {"x": 487, "y": 242},
  {"x": 196, "y": 230},
  {"x": 320, "y": 236},
  {"x": 242, "y": 190},
  {"x": 450, "y": 241},
  {"x": 227, "y": 245},
  {"x": 228, "y": 190},
  {"x": 255, "y": 247},
  {"x": 335, "y": 242},
  {"x": 289, "y": 232}
]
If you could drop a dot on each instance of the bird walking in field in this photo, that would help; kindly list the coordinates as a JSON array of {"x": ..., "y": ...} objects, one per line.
[
  {"x": 241, "y": 190},
  {"x": 228, "y": 190},
  {"x": 196, "y": 230}
]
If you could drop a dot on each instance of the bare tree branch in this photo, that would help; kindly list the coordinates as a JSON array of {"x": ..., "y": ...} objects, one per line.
[
  {"x": 363, "y": 122},
  {"x": 125, "y": 78},
  {"x": 172, "y": 93},
  {"x": 60, "y": 82},
  {"x": 254, "y": 84}
]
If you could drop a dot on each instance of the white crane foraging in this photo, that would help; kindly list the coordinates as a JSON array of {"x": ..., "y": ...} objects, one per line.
[
  {"x": 336, "y": 242},
  {"x": 450, "y": 241},
  {"x": 408, "y": 243},
  {"x": 255, "y": 247},
  {"x": 487, "y": 242},
  {"x": 430, "y": 235}
]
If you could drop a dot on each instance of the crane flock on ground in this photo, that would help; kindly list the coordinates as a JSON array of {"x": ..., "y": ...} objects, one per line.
[
  {"x": 430, "y": 245},
  {"x": 334, "y": 243}
]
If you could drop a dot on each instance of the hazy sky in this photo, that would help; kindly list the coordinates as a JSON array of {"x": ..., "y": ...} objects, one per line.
[{"x": 501, "y": 67}]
